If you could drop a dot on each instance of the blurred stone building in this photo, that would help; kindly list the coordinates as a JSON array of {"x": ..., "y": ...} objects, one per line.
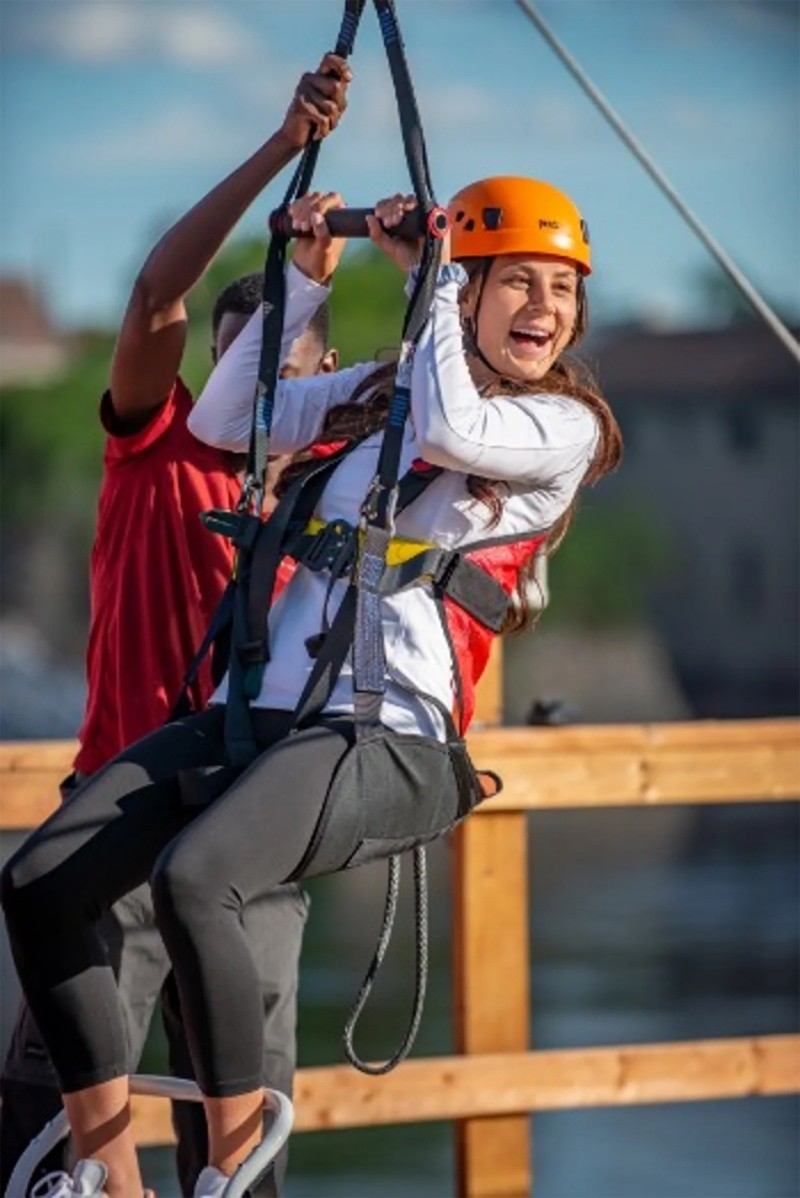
[
  {"x": 31, "y": 349},
  {"x": 711, "y": 422}
]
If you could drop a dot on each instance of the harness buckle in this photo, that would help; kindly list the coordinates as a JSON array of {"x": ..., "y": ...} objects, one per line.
[
  {"x": 373, "y": 510},
  {"x": 252, "y": 495},
  {"x": 251, "y": 653},
  {"x": 240, "y": 528},
  {"x": 444, "y": 570},
  {"x": 333, "y": 548},
  {"x": 369, "y": 508}
]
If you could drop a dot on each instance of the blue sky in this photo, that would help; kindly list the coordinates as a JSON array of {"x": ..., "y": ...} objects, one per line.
[{"x": 118, "y": 114}]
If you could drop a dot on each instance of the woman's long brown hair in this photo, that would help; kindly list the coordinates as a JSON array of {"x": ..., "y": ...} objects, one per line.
[{"x": 367, "y": 410}]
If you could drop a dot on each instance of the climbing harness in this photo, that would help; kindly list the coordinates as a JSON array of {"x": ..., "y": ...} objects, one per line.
[
  {"x": 432, "y": 783},
  {"x": 368, "y": 557}
]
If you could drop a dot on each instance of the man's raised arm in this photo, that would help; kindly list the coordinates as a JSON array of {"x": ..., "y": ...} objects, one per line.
[{"x": 150, "y": 344}]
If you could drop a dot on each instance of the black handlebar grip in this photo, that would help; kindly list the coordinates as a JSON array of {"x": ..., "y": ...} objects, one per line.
[{"x": 352, "y": 222}]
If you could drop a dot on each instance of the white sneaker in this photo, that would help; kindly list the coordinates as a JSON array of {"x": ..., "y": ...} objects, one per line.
[
  {"x": 87, "y": 1182},
  {"x": 211, "y": 1183}
]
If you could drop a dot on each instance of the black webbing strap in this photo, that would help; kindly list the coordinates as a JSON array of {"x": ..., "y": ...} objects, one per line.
[
  {"x": 369, "y": 663},
  {"x": 252, "y": 602},
  {"x": 245, "y": 677},
  {"x": 458, "y": 578},
  {"x": 275, "y": 286},
  {"x": 220, "y": 621},
  {"x": 271, "y": 544},
  {"x": 328, "y": 662},
  {"x": 274, "y": 297}
]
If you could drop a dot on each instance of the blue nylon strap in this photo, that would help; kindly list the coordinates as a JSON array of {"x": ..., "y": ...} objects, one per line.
[
  {"x": 347, "y": 33},
  {"x": 369, "y": 663}
]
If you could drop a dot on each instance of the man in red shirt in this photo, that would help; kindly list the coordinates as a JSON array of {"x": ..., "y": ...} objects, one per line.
[{"x": 156, "y": 578}]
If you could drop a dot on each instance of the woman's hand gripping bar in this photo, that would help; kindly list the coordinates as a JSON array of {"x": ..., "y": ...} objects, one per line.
[{"x": 352, "y": 222}]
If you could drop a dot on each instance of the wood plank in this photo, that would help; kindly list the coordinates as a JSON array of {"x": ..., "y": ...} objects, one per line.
[
  {"x": 770, "y": 771},
  {"x": 501, "y": 1084},
  {"x": 28, "y": 797},
  {"x": 491, "y": 991},
  {"x": 58, "y": 754},
  {"x": 489, "y": 691},
  {"x": 658, "y": 778},
  {"x": 616, "y": 765},
  {"x": 543, "y": 780},
  {"x": 55, "y": 755}
]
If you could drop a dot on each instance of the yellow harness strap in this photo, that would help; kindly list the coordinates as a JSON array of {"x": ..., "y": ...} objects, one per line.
[{"x": 399, "y": 551}]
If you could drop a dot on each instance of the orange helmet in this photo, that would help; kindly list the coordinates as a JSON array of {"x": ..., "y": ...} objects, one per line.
[{"x": 509, "y": 215}]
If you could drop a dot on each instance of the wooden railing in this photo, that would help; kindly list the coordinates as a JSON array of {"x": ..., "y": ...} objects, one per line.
[{"x": 491, "y": 1088}]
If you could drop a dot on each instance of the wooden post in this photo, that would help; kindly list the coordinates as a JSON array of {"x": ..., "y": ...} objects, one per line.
[
  {"x": 490, "y": 983},
  {"x": 492, "y": 991}
]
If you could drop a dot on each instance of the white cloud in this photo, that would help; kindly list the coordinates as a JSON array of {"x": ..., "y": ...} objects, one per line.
[
  {"x": 185, "y": 135},
  {"x": 372, "y": 111},
  {"x": 558, "y": 117},
  {"x": 684, "y": 117},
  {"x": 118, "y": 30}
]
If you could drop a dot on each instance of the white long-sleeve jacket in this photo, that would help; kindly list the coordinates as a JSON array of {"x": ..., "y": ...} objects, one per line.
[{"x": 541, "y": 445}]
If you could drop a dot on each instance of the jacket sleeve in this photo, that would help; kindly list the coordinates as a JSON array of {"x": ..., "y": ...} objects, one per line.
[
  {"x": 538, "y": 440},
  {"x": 223, "y": 413}
]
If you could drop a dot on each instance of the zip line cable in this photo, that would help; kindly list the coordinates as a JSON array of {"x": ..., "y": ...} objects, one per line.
[{"x": 739, "y": 280}]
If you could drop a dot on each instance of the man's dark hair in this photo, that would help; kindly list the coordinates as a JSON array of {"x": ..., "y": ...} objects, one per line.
[{"x": 243, "y": 296}]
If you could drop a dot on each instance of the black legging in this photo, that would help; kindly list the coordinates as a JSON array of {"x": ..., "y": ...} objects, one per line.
[{"x": 132, "y": 821}]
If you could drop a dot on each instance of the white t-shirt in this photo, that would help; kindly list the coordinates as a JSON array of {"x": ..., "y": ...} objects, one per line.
[{"x": 541, "y": 445}]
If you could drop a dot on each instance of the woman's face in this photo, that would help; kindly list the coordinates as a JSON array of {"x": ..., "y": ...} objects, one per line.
[{"x": 526, "y": 314}]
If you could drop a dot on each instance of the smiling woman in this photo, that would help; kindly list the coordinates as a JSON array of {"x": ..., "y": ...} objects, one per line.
[
  {"x": 522, "y": 249},
  {"x": 525, "y": 244}
]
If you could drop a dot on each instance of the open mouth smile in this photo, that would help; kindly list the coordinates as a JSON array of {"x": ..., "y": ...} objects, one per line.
[{"x": 531, "y": 343}]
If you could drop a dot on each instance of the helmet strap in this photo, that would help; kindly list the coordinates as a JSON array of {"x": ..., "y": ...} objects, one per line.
[{"x": 470, "y": 323}]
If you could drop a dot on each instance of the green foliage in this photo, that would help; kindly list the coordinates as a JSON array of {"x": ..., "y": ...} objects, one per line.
[
  {"x": 52, "y": 445},
  {"x": 367, "y": 306},
  {"x": 611, "y": 558}
]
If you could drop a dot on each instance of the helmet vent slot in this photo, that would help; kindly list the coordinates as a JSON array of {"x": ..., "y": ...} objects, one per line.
[
  {"x": 460, "y": 215},
  {"x": 470, "y": 225},
  {"x": 492, "y": 218}
]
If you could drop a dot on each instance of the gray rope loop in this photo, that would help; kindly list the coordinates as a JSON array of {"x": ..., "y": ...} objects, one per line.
[{"x": 421, "y": 961}]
